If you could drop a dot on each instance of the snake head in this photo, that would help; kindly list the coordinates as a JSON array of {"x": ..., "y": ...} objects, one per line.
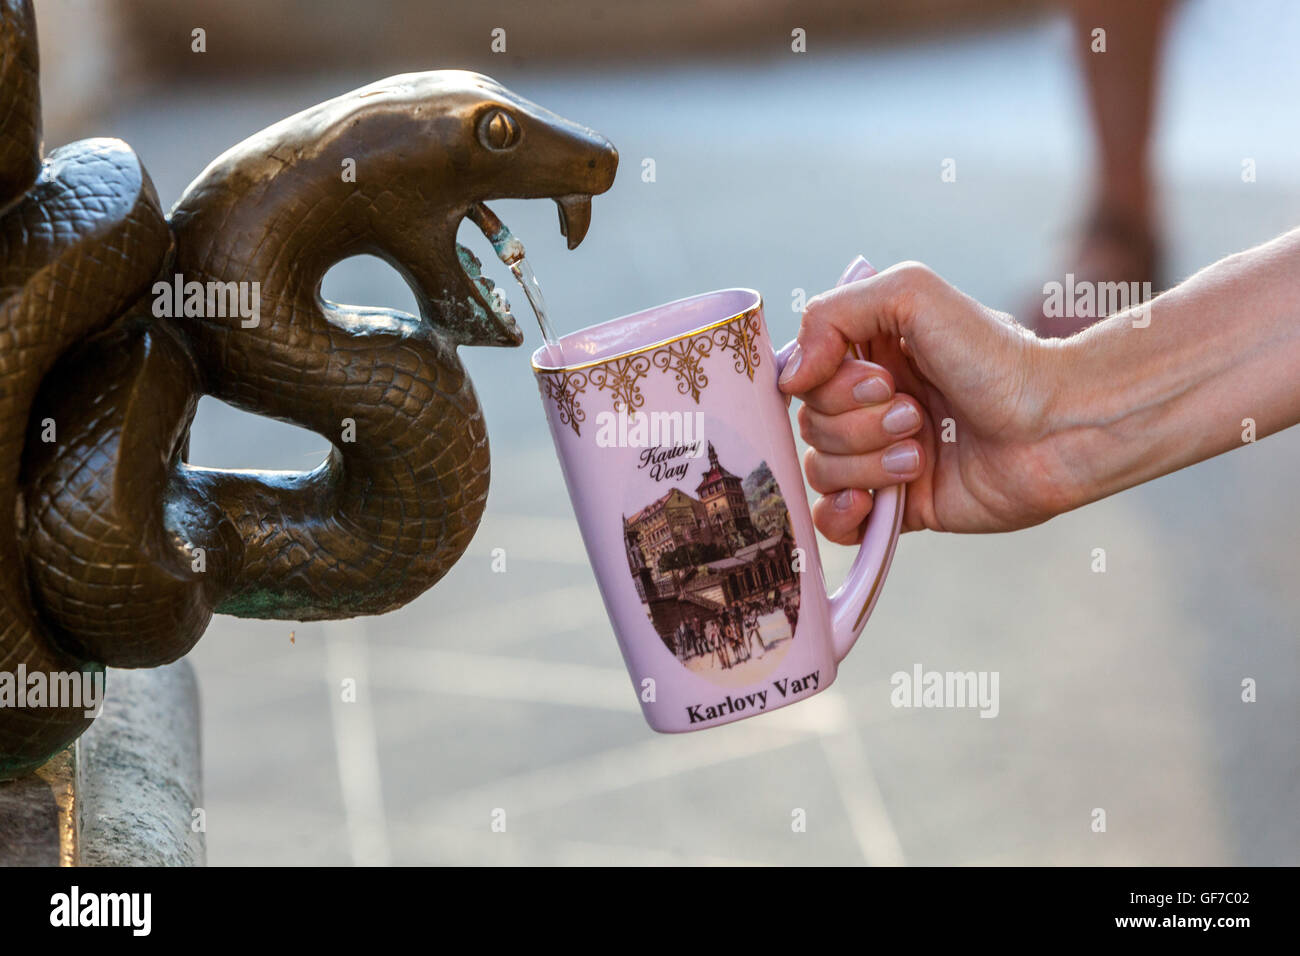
[{"x": 462, "y": 139}]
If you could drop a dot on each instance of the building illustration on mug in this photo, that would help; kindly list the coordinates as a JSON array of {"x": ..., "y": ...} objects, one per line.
[{"x": 715, "y": 571}]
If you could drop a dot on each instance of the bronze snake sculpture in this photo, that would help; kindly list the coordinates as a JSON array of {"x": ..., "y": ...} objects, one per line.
[{"x": 114, "y": 550}]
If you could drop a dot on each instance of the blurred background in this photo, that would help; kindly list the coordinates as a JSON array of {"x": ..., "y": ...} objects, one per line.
[{"x": 773, "y": 168}]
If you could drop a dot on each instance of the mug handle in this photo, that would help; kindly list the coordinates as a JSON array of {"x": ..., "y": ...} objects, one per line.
[{"x": 853, "y": 603}]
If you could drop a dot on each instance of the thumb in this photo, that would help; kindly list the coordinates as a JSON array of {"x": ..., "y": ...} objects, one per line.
[{"x": 848, "y": 314}]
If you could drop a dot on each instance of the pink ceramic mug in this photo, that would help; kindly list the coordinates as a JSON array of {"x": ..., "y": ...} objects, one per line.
[{"x": 675, "y": 444}]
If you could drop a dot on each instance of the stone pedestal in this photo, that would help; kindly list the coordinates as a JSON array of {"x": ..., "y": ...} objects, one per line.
[{"x": 128, "y": 793}]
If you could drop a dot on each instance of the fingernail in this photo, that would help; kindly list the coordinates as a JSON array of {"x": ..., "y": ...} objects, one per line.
[
  {"x": 901, "y": 459},
  {"x": 900, "y": 418},
  {"x": 791, "y": 364},
  {"x": 844, "y": 500},
  {"x": 871, "y": 391}
]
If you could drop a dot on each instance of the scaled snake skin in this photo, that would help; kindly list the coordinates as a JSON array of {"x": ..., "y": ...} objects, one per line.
[{"x": 100, "y": 528}]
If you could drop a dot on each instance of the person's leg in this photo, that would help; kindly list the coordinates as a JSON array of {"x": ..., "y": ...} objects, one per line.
[
  {"x": 1118, "y": 243},
  {"x": 1121, "y": 95}
]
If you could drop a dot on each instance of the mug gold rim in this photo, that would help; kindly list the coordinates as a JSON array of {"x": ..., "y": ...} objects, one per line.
[{"x": 753, "y": 309}]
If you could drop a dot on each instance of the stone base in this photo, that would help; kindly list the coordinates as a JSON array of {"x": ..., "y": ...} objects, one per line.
[{"x": 128, "y": 793}]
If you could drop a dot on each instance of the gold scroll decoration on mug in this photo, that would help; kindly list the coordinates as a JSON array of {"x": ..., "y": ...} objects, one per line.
[{"x": 683, "y": 357}]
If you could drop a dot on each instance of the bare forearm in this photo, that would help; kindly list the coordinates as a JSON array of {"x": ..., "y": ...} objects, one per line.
[{"x": 1221, "y": 354}]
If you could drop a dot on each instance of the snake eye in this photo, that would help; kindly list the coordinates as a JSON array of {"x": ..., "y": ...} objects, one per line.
[{"x": 498, "y": 130}]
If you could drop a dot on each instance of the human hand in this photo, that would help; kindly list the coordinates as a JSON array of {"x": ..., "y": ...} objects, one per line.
[{"x": 955, "y": 400}]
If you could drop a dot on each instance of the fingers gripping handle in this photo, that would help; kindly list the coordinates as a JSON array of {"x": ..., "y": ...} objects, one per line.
[{"x": 853, "y": 603}]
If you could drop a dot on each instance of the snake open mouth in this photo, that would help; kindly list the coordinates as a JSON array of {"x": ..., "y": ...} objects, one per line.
[{"x": 575, "y": 219}]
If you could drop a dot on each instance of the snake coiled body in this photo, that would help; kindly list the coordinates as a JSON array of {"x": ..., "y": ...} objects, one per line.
[{"x": 115, "y": 550}]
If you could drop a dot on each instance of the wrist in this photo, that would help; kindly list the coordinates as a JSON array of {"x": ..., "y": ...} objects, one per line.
[
  {"x": 1113, "y": 420},
  {"x": 1081, "y": 419}
]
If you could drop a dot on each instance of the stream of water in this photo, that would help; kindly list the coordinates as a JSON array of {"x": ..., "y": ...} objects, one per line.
[
  {"x": 511, "y": 251},
  {"x": 527, "y": 279}
]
